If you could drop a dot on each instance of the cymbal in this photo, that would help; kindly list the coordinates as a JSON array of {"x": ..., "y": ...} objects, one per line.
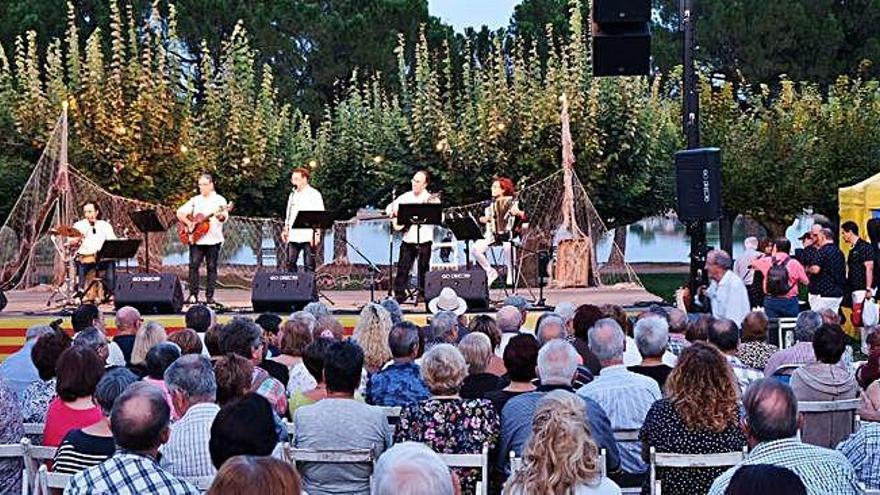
[{"x": 65, "y": 231}]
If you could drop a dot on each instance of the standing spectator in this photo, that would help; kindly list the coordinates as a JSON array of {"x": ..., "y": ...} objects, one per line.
[
  {"x": 862, "y": 449},
  {"x": 79, "y": 370},
  {"x": 243, "y": 337},
  {"x": 139, "y": 421},
  {"x": 37, "y": 396},
  {"x": 771, "y": 427},
  {"x": 825, "y": 381},
  {"x": 829, "y": 274},
  {"x": 293, "y": 338},
  {"x": 83, "y": 448},
  {"x": 652, "y": 336},
  {"x": 411, "y": 468},
  {"x": 128, "y": 322},
  {"x": 584, "y": 319},
  {"x": 371, "y": 333},
  {"x": 446, "y": 422},
  {"x": 726, "y": 291},
  {"x": 318, "y": 425},
  {"x": 18, "y": 369},
  {"x": 476, "y": 350},
  {"x": 159, "y": 358},
  {"x": 520, "y": 359},
  {"x": 802, "y": 351},
  {"x": 725, "y": 336},
  {"x": 754, "y": 350},
  {"x": 699, "y": 415},
  {"x": 193, "y": 390},
  {"x": 869, "y": 372},
  {"x": 560, "y": 455},
  {"x": 147, "y": 336},
  {"x": 244, "y": 427},
  {"x": 781, "y": 284},
  {"x": 400, "y": 383},
  {"x": 251, "y": 474},
  {"x": 743, "y": 268},
  {"x": 859, "y": 267},
  {"x": 187, "y": 340},
  {"x": 509, "y": 320},
  {"x": 678, "y": 324},
  {"x": 11, "y": 432},
  {"x": 486, "y": 324}
]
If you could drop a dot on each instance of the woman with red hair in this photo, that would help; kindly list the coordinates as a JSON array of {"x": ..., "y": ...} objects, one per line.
[{"x": 500, "y": 218}]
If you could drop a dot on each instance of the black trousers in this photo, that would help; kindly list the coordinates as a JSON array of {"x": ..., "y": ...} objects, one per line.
[
  {"x": 408, "y": 254},
  {"x": 308, "y": 252},
  {"x": 198, "y": 253}
]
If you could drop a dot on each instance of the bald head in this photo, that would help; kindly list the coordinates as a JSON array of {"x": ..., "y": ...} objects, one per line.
[
  {"x": 509, "y": 319},
  {"x": 128, "y": 320},
  {"x": 139, "y": 419}
]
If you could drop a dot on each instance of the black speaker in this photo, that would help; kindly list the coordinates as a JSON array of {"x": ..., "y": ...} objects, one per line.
[
  {"x": 698, "y": 183},
  {"x": 282, "y": 292},
  {"x": 150, "y": 293},
  {"x": 621, "y": 37},
  {"x": 470, "y": 285},
  {"x": 616, "y": 11},
  {"x": 3, "y": 300}
]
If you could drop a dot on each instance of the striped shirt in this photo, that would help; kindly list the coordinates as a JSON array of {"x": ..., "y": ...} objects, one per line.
[
  {"x": 862, "y": 449},
  {"x": 186, "y": 454},
  {"x": 80, "y": 451},
  {"x": 128, "y": 473}
]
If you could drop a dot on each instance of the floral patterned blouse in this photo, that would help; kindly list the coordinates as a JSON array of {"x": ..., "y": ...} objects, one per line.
[
  {"x": 11, "y": 431},
  {"x": 35, "y": 400},
  {"x": 756, "y": 354},
  {"x": 452, "y": 426}
]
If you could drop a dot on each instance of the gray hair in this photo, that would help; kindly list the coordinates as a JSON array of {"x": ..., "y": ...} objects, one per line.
[
  {"x": 750, "y": 242},
  {"x": 549, "y": 320},
  {"x": 557, "y": 363},
  {"x": 308, "y": 319},
  {"x": 192, "y": 375},
  {"x": 807, "y": 324},
  {"x": 111, "y": 386},
  {"x": 91, "y": 338},
  {"x": 651, "y": 335},
  {"x": 719, "y": 258},
  {"x": 566, "y": 311},
  {"x": 678, "y": 321},
  {"x": 36, "y": 331},
  {"x": 317, "y": 309},
  {"x": 517, "y": 301},
  {"x": 393, "y": 307},
  {"x": 827, "y": 233},
  {"x": 403, "y": 339},
  {"x": 607, "y": 340},
  {"x": 411, "y": 468},
  {"x": 443, "y": 326},
  {"x": 476, "y": 349},
  {"x": 509, "y": 319},
  {"x": 127, "y": 317}
]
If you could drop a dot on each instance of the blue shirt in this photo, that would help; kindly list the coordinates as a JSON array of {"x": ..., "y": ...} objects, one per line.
[
  {"x": 862, "y": 449},
  {"x": 18, "y": 369},
  {"x": 397, "y": 385}
]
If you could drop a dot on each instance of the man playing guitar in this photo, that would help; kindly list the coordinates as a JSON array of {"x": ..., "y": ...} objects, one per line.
[
  {"x": 416, "y": 242},
  {"x": 303, "y": 198},
  {"x": 213, "y": 206},
  {"x": 94, "y": 233},
  {"x": 500, "y": 218}
]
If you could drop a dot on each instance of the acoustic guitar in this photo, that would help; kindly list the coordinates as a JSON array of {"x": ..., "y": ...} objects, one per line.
[{"x": 201, "y": 225}]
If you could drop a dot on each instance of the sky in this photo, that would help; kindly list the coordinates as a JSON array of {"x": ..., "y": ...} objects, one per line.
[{"x": 473, "y": 13}]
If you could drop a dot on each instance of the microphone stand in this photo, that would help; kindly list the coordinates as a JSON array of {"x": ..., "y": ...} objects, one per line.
[{"x": 390, "y": 248}]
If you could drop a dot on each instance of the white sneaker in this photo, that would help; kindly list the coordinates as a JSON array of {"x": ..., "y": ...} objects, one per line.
[{"x": 491, "y": 276}]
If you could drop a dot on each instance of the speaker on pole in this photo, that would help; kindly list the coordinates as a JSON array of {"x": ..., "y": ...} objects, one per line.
[
  {"x": 150, "y": 293},
  {"x": 282, "y": 292},
  {"x": 470, "y": 285},
  {"x": 698, "y": 182},
  {"x": 621, "y": 37}
]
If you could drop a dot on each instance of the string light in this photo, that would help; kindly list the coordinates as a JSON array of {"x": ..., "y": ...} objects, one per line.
[
  {"x": 378, "y": 159},
  {"x": 183, "y": 148},
  {"x": 313, "y": 163},
  {"x": 121, "y": 130},
  {"x": 246, "y": 160}
]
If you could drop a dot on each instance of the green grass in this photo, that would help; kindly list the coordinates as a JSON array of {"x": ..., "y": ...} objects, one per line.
[{"x": 663, "y": 285}]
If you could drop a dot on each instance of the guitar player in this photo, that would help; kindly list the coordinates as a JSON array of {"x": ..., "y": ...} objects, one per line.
[{"x": 212, "y": 205}]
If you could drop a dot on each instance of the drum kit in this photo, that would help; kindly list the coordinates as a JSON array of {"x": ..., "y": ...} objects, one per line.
[{"x": 67, "y": 241}]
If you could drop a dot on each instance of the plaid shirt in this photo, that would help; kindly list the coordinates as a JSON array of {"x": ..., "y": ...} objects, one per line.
[
  {"x": 186, "y": 453},
  {"x": 127, "y": 473},
  {"x": 270, "y": 389},
  {"x": 823, "y": 471},
  {"x": 863, "y": 451},
  {"x": 677, "y": 343}
]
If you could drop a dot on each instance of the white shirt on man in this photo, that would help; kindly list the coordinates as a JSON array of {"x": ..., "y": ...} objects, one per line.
[
  {"x": 423, "y": 234},
  {"x": 206, "y": 205},
  {"x": 309, "y": 199},
  {"x": 729, "y": 297},
  {"x": 94, "y": 235}
]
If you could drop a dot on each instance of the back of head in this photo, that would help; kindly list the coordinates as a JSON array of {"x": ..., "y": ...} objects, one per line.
[
  {"x": 269, "y": 322},
  {"x": 487, "y": 325},
  {"x": 139, "y": 418},
  {"x": 829, "y": 343},
  {"x": 212, "y": 341},
  {"x": 550, "y": 326},
  {"x": 313, "y": 358},
  {"x": 371, "y": 334},
  {"x": 698, "y": 330},
  {"x": 557, "y": 363},
  {"x": 84, "y": 316},
  {"x": 724, "y": 334},
  {"x": 651, "y": 335},
  {"x": 252, "y": 474},
  {"x": 566, "y": 311},
  {"x": 317, "y": 309},
  {"x": 78, "y": 370},
  {"x": 771, "y": 409},
  {"x": 91, "y": 338},
  {"x": 444, "y": 327},
  {"x": 476, "y": 349},
  {"x": 46, "y": 352},
  {"x": 187, "y": 340},
  {"x": 240, "y": 336},
  {"x": 128, "y": 319},
  {"x": 199, "y": 317},
  {"x": 243, "y": 427},
  {"x": 111, "y": 386},
  {"x": 521, "y": 358},
  {"x": 509, "y": 319},
  {"x": 584, "y": 318},
  {"x": 403, "y": 339},
  {"x": 393, "y": 307},
  {"x": 828, "y": 315},
  {"x": 702, "y": 388},
  {"x": 782, "y": 245},
  {"x": 328, "y": 327},
  {"x": 307, "y": 318},
  {"x": 719, "y": 258},
  {"x": 37, "y": 331},
  {"x": 411, "y": 468},
  {"x": 607, "y": 340},
  {"x": 765, "y": 479},
  {"x": 234, "y": 375},
  {"x": 807, "y": 324},
  {"x": 159, "y": 358},
  {"x": 193, "y": 376},
  {"x": 147, "y": 336},
  {"x": 443, "y": 369},
  {"x": 678, "y": 321},
  {"x": 754, "y": 327},
  {"x": 295, "y": 337},
  {"x": 343, "y": 362}
]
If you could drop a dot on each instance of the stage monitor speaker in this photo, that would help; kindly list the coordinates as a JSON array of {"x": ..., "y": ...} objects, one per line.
[
  {"x": 470, "y": 285},
  {"x": 618, "y": 11},
  {"x": 150, "y": 293},
  {"x": 621, "y": 49},
  {"x": 698, "y": 183},
  {"x": 282, "y": 292}
]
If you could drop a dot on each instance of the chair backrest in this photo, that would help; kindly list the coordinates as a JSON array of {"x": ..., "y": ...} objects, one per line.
[
  {"x": 832, "y": 406},
  {"x": 391, "y": 412},
  {"x": 783, "y": 327},
  {"x": 669, "y": 460},
  {"x": 626, "y": 435},
  {"x": 515, "y": 462},
  {"x": 11, "y": 450},
  {"x": 480, "y": 461},
  {"x": 47, "y": 481},
  {"x": 603, "y": 459},
  {"x": 200, "y": 482},
  {"x": 34, "y": 428},
  {"x": 348, "y": 456}
]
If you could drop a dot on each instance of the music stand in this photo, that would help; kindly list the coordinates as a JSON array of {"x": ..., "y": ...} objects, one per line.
[
  {"x": 419, "y": 214},
  {"x": 119, "y": 249},
  {"x": 147, "y": 221},
  {"x": 317, "y": 220},
  {"x": 466, "y": 229}
]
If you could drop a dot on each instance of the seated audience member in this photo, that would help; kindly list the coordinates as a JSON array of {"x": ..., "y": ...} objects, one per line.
[
  {"x": 486, "y": 324},
  {"x": 94, "y": 339},
  {"x": 566, "y": 310},
  {"x": 400, "y": 383},
  {"x": 11, "y": 432},
  {"x": 678, "y": 324},
  {"x": 802, "y": 351},
  {"x": 150, "y": 334},
  {"x": 699, "y": 415},
  {"x": 159, "y": 358},
  {"x": 36, "y": 397},
  {"x": 128, "y": 321},
  {"x": 869, "y": 372},
  {"x": 444, "y": 329},
  {"x": 825, "y": 381},
  {"x": 631, "y": 355},
  {"x": 193, "y": 389},
  {"x": 393, "y": 307},
  {"x": 410, "y": 468},
  {"x": 313, "y": 359},
  {"x": 328, "y": 327},
  {"x": 446, "y": 422},
  {"x": 651, "y": 338},
  {"x": 271, "y": 325},
  {"x": 18, "y": 369},
  {"x": 200, "y": 318},
  {"x": 243, "y": 337},
  {"x": 725, "y": 336},
  {"x": 187, "y": 340},
  {"x": 317, "y": 309},
  {"x": 307, "y": 318},
  {"x": 557, "y": 366},
  {"x": 234, "y": 375},
  {"x": 83, "y": 448},
  {"x": 765, "y": 479},
  {"x": 625, "y": 396},
  {"x": 509, "y": 320},
  {"x": 371, "y": 334},
  {"x": 250, "y": 474},
  {"x": 477, "y": 350},
  {"x": 86, "y": 315},
  {"x": 139, "y": 421},
  {"x": 584, "y": 318},
  {"x": 293, "y": 338},
  {"x": 754, "y": 350},
  {"x": 244, "y": 427},
  {"x": 318, "y": 426},
  {"x": 862, "y": 449},
  {"x": 771, "y": 427},
  {"x": 698, "y": 330},
  {"x": 560, "y": 455},
  {"x": 79, "y": 370},
  {"x": 521, "y": 304},
  {"x": 520, "y": 360},
  {"x": 212, "y": 342},
  {"x": 829, "y": 316},
  {"x": 548, "y": 327}
]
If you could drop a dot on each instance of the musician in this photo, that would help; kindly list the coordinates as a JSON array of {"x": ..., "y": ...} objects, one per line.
[
  {"x": 213, "y": 205},
  {"x": 416, "y": 242},
  {"x": 500, "y": 218},
  {"x": 303, "y": 197},
  {"x": 94, "y": 232}
]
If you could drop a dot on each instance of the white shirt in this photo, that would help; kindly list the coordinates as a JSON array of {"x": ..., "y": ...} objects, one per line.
[
  {"x": 729, "y": 298},
  {"x": 207, "y": 205},
  {"x": 631, "y": 356},
  {"x": 425, "y": 232},
  {"x": 93, "y": 235},
  {"x": 309, "y": 199}
]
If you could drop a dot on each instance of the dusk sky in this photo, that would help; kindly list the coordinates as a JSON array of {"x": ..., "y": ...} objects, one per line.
[{"x": 474, "y": 13}]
